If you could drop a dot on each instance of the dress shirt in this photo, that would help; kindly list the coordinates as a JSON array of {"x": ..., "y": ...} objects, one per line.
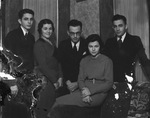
[
  {"x": 25, "y": 32},
  {"x": 122, "y": 37},
  {"x": 77, "y": 45}
]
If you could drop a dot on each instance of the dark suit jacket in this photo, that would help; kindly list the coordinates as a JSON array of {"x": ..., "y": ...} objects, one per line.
[
  {"x": 123, "y": 58},
  {"x": 70, "y": 61},
  {"x": 16, "y": 42}
]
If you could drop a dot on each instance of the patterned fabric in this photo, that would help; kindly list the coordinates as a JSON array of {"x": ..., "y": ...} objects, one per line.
[
  {"x": 117, "y": 102},
  {"x": 140, "y": 101},
  {"x": 29, "y": 87}
]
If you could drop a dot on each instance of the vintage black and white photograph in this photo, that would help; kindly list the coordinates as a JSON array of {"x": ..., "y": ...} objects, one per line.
[{"x": 74, "y": 58}]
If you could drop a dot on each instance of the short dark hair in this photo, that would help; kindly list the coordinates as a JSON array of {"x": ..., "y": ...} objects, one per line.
[
  {"x": 24, "y": 11},
  {"x": 74, "y": 22},
  {"x": 95, "y": 37},
  {"x": 119, "y": 17},
  {"x": 44, "y": 21}
]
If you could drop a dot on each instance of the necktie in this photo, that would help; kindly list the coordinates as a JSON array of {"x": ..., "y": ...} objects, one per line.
[
  {"x": 75, "y": 48},
  {"x": 119, "y": 42},
  {"x": 26, "y": 36}
]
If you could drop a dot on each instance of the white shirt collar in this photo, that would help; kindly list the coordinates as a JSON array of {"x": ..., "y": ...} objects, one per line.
[
  {"x": 123, "y": 37},
  {"x": 24, "y": 30},
  {"x": 77, "y": 45}
]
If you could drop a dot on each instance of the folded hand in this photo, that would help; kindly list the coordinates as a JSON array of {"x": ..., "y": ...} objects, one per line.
[
  {"x": 85, "y": 92},
  {"x": 72, "y": 85},
  {"x": 87, "y": 99}
]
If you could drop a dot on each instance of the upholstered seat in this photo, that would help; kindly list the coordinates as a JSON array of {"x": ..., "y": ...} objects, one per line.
[{"x": 71, "y": 111}]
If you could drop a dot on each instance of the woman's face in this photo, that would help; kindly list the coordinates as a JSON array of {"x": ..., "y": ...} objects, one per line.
[
  {"x": 94, "y": 48},
  {"x": 47, "y": 30}
]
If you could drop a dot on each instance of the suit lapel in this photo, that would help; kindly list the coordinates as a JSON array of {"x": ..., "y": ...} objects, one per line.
[
  {"x": 126, "y": 40},
  {"x": 82, "y": 46}
]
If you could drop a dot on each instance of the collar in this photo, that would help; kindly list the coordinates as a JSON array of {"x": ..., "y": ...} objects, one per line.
[
  {"x": 48, "y": 41},
  {"x": 77, "y": 44},
  {"x": 24, "y": 30},
  {"x": 122, "y": 37}
]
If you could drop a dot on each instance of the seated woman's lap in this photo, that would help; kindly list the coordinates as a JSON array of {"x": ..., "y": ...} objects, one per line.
[{"x": 76, "y": 99}]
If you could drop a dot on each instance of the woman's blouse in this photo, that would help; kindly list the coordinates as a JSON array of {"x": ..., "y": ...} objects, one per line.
[{"x": 96, "y": 73}]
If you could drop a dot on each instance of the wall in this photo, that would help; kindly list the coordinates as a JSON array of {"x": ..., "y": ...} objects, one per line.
[
  {"x": 11, "y": 14},
  {"x": 64, "y": 17},
  {"x": 95, "y": 15},
  {"x": 88, "y": 13}
]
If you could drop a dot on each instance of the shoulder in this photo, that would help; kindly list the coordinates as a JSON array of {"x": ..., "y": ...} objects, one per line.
[
  {"x": 134, "y": 40},
  {"x": 133, "y": 37},
  {"x": 14, "y": 32},
  {"x": 85, "y": 59},
  {"x": 83, "y": 40},
  {"x": 12, "y": 37},
  {"x": 64, "y": 44},
  {"x": 105, "y": 58},
  {"x": 39, "y": 43},
  {"x": 83, "y": 43}
]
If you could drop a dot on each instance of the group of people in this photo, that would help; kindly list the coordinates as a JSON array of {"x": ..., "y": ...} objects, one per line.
[{"x": 80, "y": 71}]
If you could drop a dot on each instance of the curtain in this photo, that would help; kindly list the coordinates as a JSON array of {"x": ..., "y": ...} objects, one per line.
[
  {"x": 43, "y": 9},
  {"x": 136, "y": 12}
]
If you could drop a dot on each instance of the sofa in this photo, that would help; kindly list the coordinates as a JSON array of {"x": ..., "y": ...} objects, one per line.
[{"x": 121, "y": 102}]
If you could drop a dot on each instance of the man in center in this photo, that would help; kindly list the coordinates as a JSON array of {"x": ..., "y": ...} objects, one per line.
[{"x": 70, "y": 53}]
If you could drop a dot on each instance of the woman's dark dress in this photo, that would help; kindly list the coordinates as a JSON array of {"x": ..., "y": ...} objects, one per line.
[{"x": 48, "y": 66}]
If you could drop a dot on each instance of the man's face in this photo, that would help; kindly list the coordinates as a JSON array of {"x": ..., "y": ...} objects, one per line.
[
  {"x": 26, "y": 21},
  {"x": 75, "y": 33},
  {"x": 119, "y": 27}
]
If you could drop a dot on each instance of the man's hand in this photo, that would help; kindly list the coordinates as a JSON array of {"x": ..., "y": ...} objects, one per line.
[
  {"x": 56, "y": 85},
  {"x": 71, "y": 85},
  {"x": 14, "y": 90},
  {"x": 60, "y": 82}
]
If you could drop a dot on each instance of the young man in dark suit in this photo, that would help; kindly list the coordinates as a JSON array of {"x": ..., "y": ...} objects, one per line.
[
  {"x": 20, "y": 42},
  {"x": 124, "y": 49},
  {"x": 70, "y": 53}
]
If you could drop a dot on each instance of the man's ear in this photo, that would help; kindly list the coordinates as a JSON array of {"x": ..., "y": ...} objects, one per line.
[
  {"x": 19, "y": 21},
  {"x": 126, "y": 27}
]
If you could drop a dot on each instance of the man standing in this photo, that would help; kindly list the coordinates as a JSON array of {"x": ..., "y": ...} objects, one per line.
[
  {"x": 70, "y": 53},
  {"x": 20, "y": 42},
  {"x": 124, "y": 49}
]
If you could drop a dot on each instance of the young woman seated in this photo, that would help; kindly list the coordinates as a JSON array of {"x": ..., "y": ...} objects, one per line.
[{"x": 95, "y": 78}]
